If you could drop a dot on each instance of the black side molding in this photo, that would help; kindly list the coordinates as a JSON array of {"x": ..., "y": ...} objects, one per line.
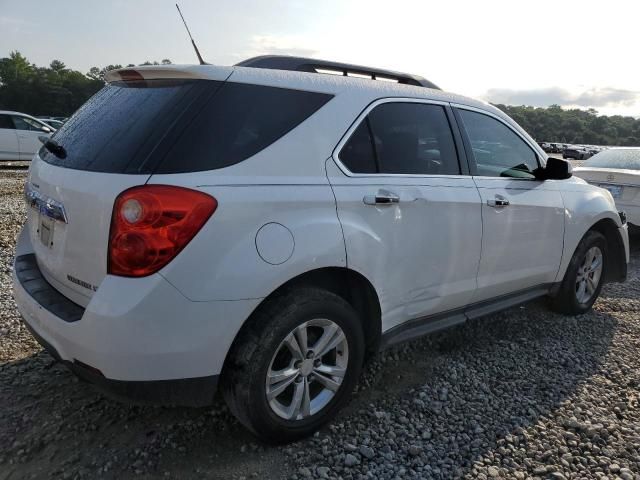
[
  {"x": 441, "y": 321},
  {"x": 31, "y": 279},
  {"x": 186, "y": 392}
]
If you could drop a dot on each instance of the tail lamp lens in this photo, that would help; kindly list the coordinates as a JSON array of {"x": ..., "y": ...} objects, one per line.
[{"x": 151, "y": 224}]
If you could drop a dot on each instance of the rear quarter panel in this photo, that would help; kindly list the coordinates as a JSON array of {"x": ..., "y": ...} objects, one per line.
[
  {"x": 285, "y": 183},
  {"x": 222, "y": 261}
]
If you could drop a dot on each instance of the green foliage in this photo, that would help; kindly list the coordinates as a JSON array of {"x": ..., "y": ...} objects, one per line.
[
  {"x": 55, "y": 90},
  {"x": 555, "y": 124}
]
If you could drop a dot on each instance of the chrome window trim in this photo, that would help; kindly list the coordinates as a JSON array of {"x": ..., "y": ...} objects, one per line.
[{"x": 347, "y": 135}]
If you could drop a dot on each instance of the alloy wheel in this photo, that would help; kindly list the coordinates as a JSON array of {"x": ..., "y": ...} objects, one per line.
[
  {"x": 307, "y": 369},
  {"x": 589, "y": 274}
]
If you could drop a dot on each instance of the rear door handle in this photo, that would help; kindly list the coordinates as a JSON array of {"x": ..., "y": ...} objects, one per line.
[
  {"x": 498, "y": 202},
  {"x": 383, "y": 197}
]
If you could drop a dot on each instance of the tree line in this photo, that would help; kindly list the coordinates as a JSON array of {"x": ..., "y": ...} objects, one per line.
[
  {"x": 58, "y": 91},
  {"x": 55, "y": 90},
  {"x": 556, "y": 124}
]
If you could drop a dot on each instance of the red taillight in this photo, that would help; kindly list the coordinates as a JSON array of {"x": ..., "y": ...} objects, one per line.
[{"x": 150, "y": 224}]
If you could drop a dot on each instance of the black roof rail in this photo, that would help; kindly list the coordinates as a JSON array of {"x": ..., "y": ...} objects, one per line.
[{"x": 302, "y": 64}]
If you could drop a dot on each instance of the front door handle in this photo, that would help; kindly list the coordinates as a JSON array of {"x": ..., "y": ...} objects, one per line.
[
  {"x": 498, "y": 202},
  {"x": 383, "y": 197}
]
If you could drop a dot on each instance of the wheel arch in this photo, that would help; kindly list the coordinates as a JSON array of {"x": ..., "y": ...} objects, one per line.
[
  {"x": 617, "y": 261},
  {"x": 352, "y": 286}
]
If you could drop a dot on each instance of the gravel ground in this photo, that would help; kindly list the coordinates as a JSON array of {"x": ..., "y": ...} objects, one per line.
[{"x": 522, "y": 394}]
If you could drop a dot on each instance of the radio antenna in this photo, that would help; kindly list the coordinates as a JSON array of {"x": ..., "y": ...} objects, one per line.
[{"x": 202, "y": 62}]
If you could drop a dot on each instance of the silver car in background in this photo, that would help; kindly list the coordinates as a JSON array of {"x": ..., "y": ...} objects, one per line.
[{"x": 617, "y": 170}]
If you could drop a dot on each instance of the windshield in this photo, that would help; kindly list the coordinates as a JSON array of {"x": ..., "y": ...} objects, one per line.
[{"x": 622, "y": 158}]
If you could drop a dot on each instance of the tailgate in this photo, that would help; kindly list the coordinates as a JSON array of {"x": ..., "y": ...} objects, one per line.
[{"x": 69, "y": 224}]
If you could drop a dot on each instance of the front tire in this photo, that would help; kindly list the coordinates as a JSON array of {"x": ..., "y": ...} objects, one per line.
[
  {"x": 584, "y": 277},
  {"x": 294, "y": 364}
]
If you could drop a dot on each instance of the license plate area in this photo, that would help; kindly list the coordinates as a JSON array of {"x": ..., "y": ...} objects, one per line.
[
  {"x": 615, "y": 190},
  {"x": 46, "y": 226}
]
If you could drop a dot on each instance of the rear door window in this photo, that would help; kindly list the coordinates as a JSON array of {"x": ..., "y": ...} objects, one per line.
[
  {"x": 175, "y": 126},
  {"x": 403, "y": 138},
  {"x": 358, "y": 154}
]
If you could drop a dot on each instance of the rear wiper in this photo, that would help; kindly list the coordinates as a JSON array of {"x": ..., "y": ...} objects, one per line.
[{"x": 53, "y": 146}]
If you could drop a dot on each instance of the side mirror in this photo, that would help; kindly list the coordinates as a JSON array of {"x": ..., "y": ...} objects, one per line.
[
  {"x": 556, "y": 169},
  {"x": 45, "y": 129}
]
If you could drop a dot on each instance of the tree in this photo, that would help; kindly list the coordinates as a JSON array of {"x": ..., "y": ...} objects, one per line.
[
  {"x": 57, "y": 66},
  {"x": 96, "y": 73},
  {"x": 54, "y": 90},
  {"x": 555, "y": 124}
]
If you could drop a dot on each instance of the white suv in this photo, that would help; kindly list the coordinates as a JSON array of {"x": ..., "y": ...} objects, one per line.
[{"x": 265, "y": 227}]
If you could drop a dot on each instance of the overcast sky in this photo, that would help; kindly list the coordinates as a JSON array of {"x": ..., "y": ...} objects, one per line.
[{"x": 574, "y": 53}]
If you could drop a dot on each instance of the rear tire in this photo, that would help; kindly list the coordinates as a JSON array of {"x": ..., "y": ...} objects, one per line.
[
  {"x": 584, "y": 277},
  {"x": 268, "y": 353}
]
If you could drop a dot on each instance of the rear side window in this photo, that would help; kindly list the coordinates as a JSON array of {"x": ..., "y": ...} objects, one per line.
[
  {"x": 175, "y": 126},
  {"x": 403, "y": 138},
  {"x": 498, "y": 150},
  {"x": 237, "y": 123}
]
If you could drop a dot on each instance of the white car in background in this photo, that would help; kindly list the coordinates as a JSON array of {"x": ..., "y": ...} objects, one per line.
[
  {"x": 264, "y": 227},
  {"x": 52, "y": 122},
  {"x": 617, "y": 170},
  {"x": 19, "y": 134}
]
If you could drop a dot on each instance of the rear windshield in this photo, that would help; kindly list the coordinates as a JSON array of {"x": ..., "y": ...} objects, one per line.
[{"x": 175, "y": 126}]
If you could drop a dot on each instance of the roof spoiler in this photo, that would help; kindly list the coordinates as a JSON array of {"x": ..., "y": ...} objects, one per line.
[
  {"x": 302, "y": 64},
  {"x": 150, "y": 72}
]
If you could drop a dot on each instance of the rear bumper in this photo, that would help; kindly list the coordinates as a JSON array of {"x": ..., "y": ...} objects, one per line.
[
  {"x": 193, "y": 392},
  {"x": 138, "y": 339}
]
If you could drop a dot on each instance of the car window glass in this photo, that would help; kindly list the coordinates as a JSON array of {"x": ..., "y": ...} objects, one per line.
[
  {"x": 498, "y": 150},
  {"x": 358, "y": 154},
  {"x": 238, "y": 122},
  {"x": 178, "y": 125},
  {"x": 5, "y": 122},
  {"x": 23, "y": 123},
  {"x": 403, "y": 138}
]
